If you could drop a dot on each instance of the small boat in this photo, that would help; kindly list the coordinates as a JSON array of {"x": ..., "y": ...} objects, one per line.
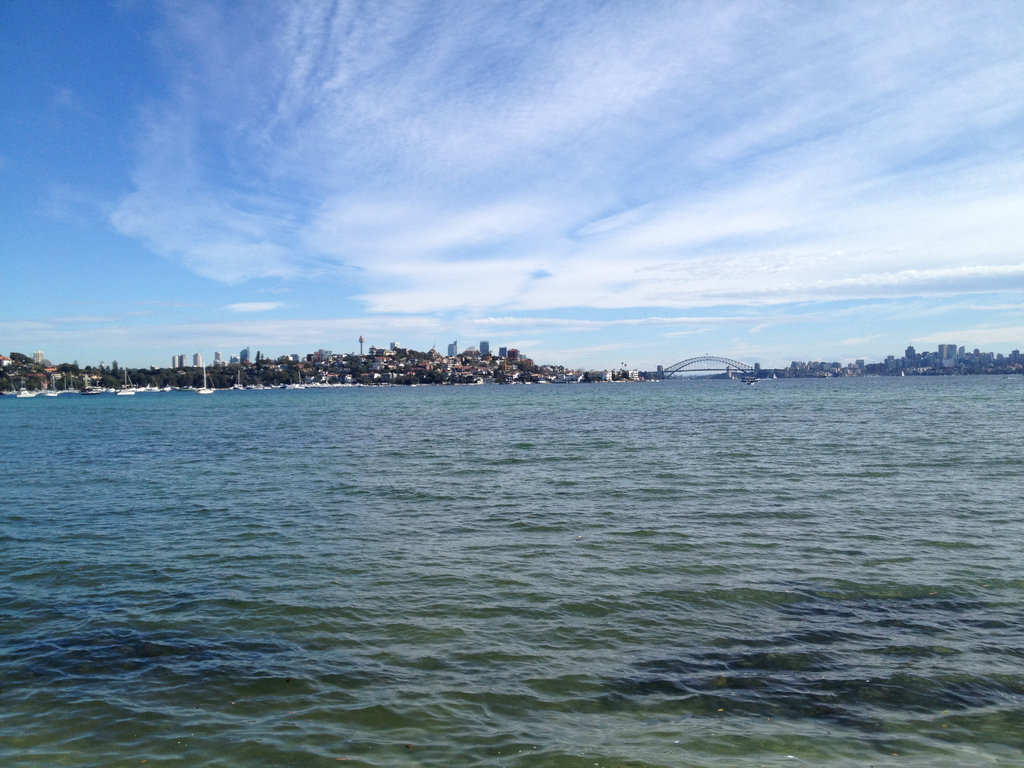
[
  {"x": 750, "y": 379},
  {"x": 22, "y": 392},
  {"x": 127, "y": 389},
  {"x": 205, "y": 390}
]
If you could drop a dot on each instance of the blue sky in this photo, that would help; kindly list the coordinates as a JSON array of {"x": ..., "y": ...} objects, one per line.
[{"x": 595, "y": 183}]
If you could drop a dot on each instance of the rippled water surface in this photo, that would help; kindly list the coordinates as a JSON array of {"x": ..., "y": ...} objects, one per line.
[{"x": 821, "y": 573}]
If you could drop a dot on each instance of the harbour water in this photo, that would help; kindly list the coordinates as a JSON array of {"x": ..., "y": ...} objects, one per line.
[{"x": 699, "y": 573}]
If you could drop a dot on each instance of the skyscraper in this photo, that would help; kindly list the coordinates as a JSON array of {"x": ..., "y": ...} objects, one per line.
[
  {"x": 453, "y": 348},
  {"x": 243, "y": 356},
  {"x": 485, "y": 348},
  {"x": 197, "y": 360}
]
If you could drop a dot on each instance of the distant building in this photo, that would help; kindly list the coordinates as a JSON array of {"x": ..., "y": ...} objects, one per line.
[
  {"x": 243, "y": 356},
  {"x": 453, "y": 348},
  {"x": 485, "y": 348},
  {"x": 218, "y": 360},
  {"x": 37, "y": 357},
  {"x": 197, "y": 360},
  {"x": 513, "y": 355},
  {"x": 502, "y": 352}
]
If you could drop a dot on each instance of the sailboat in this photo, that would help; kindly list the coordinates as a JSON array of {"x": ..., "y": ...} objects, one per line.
[
  {"x": 205, "y": 390},
  {"x": 127, "y": 389}
]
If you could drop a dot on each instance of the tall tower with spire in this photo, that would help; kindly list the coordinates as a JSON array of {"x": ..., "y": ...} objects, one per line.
[{"x": 361, "y": 340}]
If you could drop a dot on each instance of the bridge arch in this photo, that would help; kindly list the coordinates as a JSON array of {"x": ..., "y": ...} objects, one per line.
[{"x": 707, "y": 364}]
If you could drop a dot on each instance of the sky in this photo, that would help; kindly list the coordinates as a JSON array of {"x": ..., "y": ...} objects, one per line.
[{"x": 598, "y": 184}]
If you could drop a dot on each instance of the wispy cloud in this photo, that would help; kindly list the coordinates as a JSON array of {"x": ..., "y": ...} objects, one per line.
[
  {"x": 253, "y": 306},
  {"x": 487, "y": 157}
]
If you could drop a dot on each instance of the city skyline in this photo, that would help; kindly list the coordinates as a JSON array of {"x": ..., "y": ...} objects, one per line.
[
  {"x": 596, "y": 184},
  {"x": 945, "y": 355}
]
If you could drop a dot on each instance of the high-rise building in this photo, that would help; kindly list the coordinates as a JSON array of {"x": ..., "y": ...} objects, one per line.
[
  {"x": 243, "y": 356},
  {"x": 38, "y": 357},
  {"x": 453, "y": 348},
  {"x": 485, "y": 348},
  {"x": 218, "y": 360},
  {"x": 502, "y": 352},
  {"x": 197, "y": 360}
]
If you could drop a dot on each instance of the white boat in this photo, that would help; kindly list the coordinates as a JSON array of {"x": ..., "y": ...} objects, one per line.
[
  {"x": 127, "y": 389},
  {"x": 52, "y": 390},
  {"x": 205, "y": 390},
  {"x": 22, "y": 392}
]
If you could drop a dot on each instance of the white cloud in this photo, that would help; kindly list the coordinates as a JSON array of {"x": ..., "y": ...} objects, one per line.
[
  {"x": 254, "y": 306},
  {"x": 483, "y": 158}
]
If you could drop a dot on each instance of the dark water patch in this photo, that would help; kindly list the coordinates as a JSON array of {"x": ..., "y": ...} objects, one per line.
[
  {"x": 947, "y": 544},
  {"x": 800, "y": 685},
  {"x": 914, "y": 651},
  {"x": 110, "y": 654}
]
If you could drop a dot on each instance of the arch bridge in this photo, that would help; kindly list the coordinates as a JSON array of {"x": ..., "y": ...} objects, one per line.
[{"x": 707, "y": 364}]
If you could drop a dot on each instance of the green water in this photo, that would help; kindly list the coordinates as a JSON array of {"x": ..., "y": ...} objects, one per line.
[{"x": 821, "y": 573}]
